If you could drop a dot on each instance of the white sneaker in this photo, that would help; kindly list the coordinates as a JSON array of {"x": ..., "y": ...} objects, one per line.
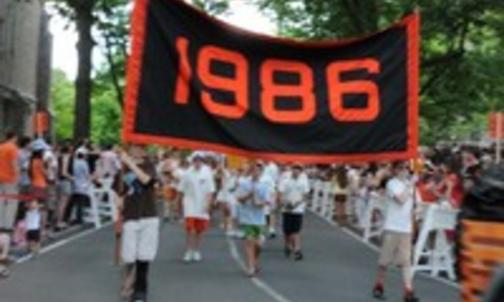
[
  {"x": 196, "y": 256},
  {"x": 188, "y": 256}
]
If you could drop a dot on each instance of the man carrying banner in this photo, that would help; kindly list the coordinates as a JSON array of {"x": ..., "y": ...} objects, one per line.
[
  {"x": 397, "y": 240},
  {"x": 140, "y": 237}
]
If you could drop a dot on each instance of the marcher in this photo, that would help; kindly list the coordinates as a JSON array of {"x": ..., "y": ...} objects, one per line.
[
  {"x": 197, "y": 188},
  {"x": 252, "y": 194},
  {"x": 398, "y": 228},
  {"x": 293, "y": 191},
  {"x": 140, "y": 233}
]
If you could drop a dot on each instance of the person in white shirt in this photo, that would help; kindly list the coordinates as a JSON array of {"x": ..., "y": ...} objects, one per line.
[
  {"x": 398, "y": 229},
  {"x": 293, "y": 192},
  {"x": 269, "y": 177},
  {"x": 33, "y": 220},
  {"x": 226, "y": 199},
  {"x": 197, "y": 188}
]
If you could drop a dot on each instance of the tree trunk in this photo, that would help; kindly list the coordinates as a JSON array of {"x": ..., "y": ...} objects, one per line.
[
  {"x": 114, "y": 71},
  {"x": 83, "y": 85}
]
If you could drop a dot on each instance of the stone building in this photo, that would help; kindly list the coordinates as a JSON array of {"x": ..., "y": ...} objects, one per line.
[{"x": 25, "y": 54}]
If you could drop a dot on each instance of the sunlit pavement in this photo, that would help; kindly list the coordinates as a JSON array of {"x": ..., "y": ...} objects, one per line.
[{"x": 337, "y": 268}]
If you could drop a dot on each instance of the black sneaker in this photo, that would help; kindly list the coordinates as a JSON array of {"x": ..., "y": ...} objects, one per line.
[
  {"x": 298, "y": 256},
  {"x": 378, "y": 292},
  {"x": 410, "y": 297},
  {"x": 139, "y": 297},
  {"x": 287, "y": 252}
]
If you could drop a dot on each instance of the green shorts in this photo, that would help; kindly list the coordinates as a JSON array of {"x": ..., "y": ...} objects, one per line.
[{"x": 252, "y": 232}]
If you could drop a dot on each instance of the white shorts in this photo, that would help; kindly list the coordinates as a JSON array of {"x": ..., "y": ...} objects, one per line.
[{"x": 140, "y": 240}]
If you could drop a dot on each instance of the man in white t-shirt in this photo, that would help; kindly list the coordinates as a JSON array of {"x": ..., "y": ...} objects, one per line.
[
  {"x": 293, "y": 190},
  {"x": 197, "y": 188},
  {"x": 397, "y": 241}
]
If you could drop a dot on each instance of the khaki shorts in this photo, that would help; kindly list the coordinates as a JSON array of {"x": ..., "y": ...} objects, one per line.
[{"x": 396, "y": 249}]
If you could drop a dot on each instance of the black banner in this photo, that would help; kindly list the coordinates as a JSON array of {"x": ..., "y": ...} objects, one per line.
[{"x": 196, "y": 82}]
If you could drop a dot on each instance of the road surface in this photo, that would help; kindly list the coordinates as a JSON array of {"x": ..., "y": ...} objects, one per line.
[{"x": 337, "y": 268}]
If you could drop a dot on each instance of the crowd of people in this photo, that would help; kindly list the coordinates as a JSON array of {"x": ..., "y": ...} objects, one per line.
[{"x": 44, "y": 189}]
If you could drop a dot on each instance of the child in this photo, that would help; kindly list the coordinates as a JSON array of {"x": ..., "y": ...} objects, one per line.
[{"x": 33, "y": 224}]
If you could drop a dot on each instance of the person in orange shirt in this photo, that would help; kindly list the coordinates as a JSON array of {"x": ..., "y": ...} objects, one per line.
[
  {"x": 9, "y": 175},
  {"x": 38, "y": 175}
]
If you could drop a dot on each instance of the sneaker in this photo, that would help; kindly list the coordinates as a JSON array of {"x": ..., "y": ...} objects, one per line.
[
  {"x": 298, "y": 256},
  {"x": 188, "y": 256},
  {"x": 139, "y": 297},
  {"x": 378, "y": 292},
  {"x": 410, "y": 297},
  {"x": 197, "y": 256}
]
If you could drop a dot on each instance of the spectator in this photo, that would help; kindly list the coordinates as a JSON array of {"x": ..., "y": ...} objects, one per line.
[
  {"x": 9, "y": 177},
  {"x": 4, "y": 254},
  {"x": 341, "y": 191},
  {"x": 38, "y": 177},
  {"x": 65, "y": 162},
  {"x": 81, "y": 182},
  {"x": 33, "y": 226}
]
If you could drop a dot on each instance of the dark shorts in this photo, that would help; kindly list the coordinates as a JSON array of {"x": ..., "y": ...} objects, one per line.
[
  {"x": 292, "y": 223},
  {"x": 33, "y": 236},
  {"x": 340, "y": 198}
]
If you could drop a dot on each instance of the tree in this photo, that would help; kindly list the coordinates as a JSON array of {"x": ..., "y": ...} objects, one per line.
[
  {"x": 63, "y": 97},
  {"x": 84, "y": 14},
  {"x": 461, "y": 49}
]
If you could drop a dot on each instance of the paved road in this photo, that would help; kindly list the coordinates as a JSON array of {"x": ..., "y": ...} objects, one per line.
[{"x": 337, "y": 268}]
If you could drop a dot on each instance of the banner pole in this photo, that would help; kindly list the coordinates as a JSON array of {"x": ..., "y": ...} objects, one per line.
[{"x": 499, "y": 135}]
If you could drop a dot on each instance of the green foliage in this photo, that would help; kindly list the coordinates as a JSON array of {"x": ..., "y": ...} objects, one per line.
[
  {"x": 63, "y": 98},
  {"x": 462, "y": 57},
  {"x": 106, "y": 112}
]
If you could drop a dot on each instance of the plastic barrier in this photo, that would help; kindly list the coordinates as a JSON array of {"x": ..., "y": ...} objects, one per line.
[
  {"x": 373, "y": 217},
  {"x": 103, "y": 204},
  {"x": 436, "y": 256}
]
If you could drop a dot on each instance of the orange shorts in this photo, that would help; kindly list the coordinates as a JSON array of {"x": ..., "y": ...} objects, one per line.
[{"x": 197, "y": 225}]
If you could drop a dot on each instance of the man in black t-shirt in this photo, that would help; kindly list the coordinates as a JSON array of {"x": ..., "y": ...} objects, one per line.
[{"x": 140, "y": 236}]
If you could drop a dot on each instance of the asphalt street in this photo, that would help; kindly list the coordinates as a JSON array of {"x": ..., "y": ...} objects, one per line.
[{"x": 337, "y": 268}]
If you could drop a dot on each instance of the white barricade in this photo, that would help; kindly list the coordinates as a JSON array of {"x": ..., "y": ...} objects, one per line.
[
  {"x": 373, "y": 217},
  {"x": 102, "y": 204},
  {"x": 317, "y": 196},
  {"x": 437, "y": 256},
  {"x": 327, "y": 201}
]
